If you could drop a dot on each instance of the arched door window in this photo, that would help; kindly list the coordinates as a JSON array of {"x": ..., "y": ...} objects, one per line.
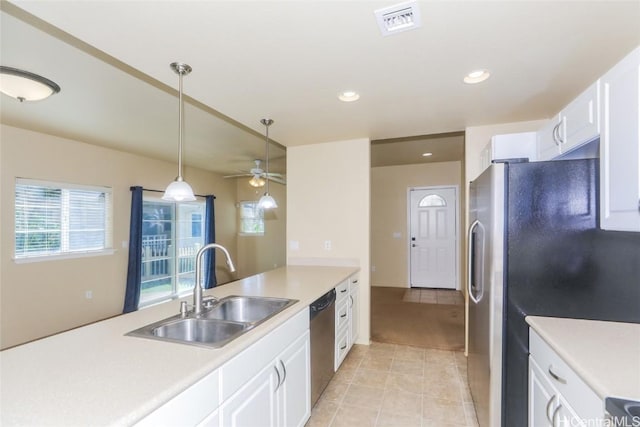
[{"x": 432, "y": 200}]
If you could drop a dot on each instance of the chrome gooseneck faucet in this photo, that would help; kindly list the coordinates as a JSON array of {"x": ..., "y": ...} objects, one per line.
[{"x": 197, "y": 289}]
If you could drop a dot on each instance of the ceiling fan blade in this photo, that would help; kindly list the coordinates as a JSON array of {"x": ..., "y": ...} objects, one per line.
[
  {"x": 277, "y": 179},
  {"x": 238, "y": 175}
]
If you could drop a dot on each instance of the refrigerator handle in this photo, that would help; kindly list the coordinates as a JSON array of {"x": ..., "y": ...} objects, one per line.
[{"x": 470, "y": 260}]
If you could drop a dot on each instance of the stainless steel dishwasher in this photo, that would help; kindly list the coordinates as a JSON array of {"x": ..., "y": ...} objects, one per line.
[{"x": 323, "y": 342}]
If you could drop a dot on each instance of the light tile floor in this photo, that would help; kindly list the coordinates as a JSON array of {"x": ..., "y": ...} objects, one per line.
[
  {"x": 433, "y": 296},
  {"x": 395, "y": 385}
]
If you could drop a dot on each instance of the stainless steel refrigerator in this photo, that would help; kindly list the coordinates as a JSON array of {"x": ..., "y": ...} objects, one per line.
[{"x": 535, "y": 249}]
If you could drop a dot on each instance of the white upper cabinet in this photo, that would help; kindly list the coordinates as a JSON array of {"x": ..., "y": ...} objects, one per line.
[
  {"x": 620, "y": 146},
  {"x": 577, "y": 123},
  {"x": 548, "y": 145}
]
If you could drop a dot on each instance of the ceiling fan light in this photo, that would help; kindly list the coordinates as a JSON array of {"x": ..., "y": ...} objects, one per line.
[
  {"x": 256, "y": 181},
  {"x": 179, "y": 191},
  {"x": 25, "y": 86},
  {"x": 267, "y": 202}
]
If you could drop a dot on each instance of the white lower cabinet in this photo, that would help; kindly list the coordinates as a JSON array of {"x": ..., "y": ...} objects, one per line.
[
  {"x": 280, "y": 394},
  {"x": 267, "y": 384},
  {"x": 557, "y": 395},
  {"x": 346, "y": 322},
  {"x": 255, "y": 404}
]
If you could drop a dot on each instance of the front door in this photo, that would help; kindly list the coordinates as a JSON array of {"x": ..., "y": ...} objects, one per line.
[{"x": 433, "y": 232}]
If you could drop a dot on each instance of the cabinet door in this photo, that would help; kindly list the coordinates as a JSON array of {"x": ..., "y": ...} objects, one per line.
[
  {"x": 547, "y": 140},
  {"x": 566, "y": 416},
  {"x": 354, "y": 307},
  {"x": 255, "y": 404},
  {"x": 295, "y": 388},
  {"x": 542, "y": 397},
  {"x": 620, "y": 146},
  {"x": 580, "y": 120}
]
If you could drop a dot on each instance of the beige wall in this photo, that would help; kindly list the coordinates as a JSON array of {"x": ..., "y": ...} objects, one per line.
[
  {"x": 261, "y": 253},
  {"x": 389, "y": 185},
  {"x": 41, "y": 298},
  {"x": 328, "y": 199}
]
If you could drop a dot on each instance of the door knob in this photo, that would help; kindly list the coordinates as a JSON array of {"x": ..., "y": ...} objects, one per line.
[{"x": 413, "y": 245}]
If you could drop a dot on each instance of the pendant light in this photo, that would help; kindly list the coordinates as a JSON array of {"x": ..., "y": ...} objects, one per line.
[
  {"x": 266, "y": 201},
  {"x": 179, "y": 190}
]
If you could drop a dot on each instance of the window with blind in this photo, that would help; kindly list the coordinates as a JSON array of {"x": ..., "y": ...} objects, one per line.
[
  {"x": 54, "y": 219},
  {"x": 251, "y": 219},
  {"x": 172, "y": 234}
]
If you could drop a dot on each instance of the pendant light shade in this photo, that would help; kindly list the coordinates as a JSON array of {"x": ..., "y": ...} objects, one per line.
[
  {"x": 179, "y": 190},
  {"x": 267, "y": 201},
  {"x": 25, "y": 86}
]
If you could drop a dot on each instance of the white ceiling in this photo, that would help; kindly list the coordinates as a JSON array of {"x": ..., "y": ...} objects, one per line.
[{"x": 288, "y": 60}]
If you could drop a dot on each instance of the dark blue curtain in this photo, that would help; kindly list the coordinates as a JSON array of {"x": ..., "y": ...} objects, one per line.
[
  {"x": 134, "y": 270},
  {"x": 210, "y": 280}
]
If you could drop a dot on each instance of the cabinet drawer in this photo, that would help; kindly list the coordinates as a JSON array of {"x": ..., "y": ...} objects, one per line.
[
  {"x": 342, "y": 290},
  {"x": 342, "y": 347},
  {"x": 564, "y": 379},
  {"x": 342, "y": 316}
]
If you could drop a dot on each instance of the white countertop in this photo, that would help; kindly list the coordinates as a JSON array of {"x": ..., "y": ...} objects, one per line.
[
  {"x": 95, "y": 375},
  {"x": 606, "y": 355}
]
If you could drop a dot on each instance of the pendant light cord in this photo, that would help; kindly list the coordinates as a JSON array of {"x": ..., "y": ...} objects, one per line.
[
  {"x": 180, "y": 132},
  {"x": 267, "y": 174}
]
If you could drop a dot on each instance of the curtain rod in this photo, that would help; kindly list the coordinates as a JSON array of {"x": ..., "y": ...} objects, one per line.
[{"x": 160, "y": 191}]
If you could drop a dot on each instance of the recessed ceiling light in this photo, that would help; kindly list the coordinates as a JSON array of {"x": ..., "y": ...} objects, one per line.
[
  {"x": 427, "y": 154},
  {"x": 476, "y": 76},
  {"x": 348, "y": 96}
]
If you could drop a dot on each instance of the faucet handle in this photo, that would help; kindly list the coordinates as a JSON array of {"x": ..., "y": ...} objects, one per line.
[{"x": 209, "y": 301}]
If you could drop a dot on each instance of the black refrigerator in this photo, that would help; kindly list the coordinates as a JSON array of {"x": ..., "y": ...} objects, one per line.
[{"x": 535, "y": 248}]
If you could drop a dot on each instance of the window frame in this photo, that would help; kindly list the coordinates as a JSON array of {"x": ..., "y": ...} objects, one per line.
[
  {"x": 65, "y": 187},
  {"x": 260, "y": 217},
  {"x": 174, "y": 257}
]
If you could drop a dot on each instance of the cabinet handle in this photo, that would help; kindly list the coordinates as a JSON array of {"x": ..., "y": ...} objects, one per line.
[
  {"x": 355, "y": 281},
  {"x": 555, "y": 134},
  {"x": 343, "y": 315},
  {"x": 555, "y": 417},
  {"x": 351, "y": 297},
  {"x": 548, "y": 407},
  {"x": 556, "y": 376},
  {"x": 343, "y": 291},
  {"x": 277, "y": 373},
  {"x": 284, "y": 372},
  {"x": 343, "y": 347}
]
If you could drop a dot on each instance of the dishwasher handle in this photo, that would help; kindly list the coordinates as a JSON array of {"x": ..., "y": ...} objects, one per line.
[{"x": 322, "y": 303}]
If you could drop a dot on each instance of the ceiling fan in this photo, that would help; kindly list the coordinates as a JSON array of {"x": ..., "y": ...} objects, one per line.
[{"x": 258, "y": 176}]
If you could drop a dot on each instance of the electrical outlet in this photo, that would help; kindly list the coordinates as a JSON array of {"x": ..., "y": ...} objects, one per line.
[
  {"x": 327, "y": 245},
  {"x": 294, "y": 245},
  {"x": 88, "y": 294}
]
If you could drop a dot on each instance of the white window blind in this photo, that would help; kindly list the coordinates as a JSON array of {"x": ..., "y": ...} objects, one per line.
[
  {"x": 54, "y": 219},
  {"x": 251, "y": 219}
]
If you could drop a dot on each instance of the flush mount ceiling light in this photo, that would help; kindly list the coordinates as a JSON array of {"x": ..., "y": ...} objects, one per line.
[
  {"x": 348, "y": 96},
  {"x": 266, "y": 201},
  {"x": 25, "y": 86},
  {"x": 179, "y": 190},
  {"x": 476, "y": 76},
  {"x": 398, "y": 18},
  {"x": 427, "y": 154}
]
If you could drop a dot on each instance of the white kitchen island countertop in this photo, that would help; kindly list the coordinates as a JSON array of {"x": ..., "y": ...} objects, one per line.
[
  {"x": 606, "y": 355},
  {"x": 95, "y": 375}
]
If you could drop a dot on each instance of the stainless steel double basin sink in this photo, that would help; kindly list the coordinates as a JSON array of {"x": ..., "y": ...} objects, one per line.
[{"x": 217, "y": 325}]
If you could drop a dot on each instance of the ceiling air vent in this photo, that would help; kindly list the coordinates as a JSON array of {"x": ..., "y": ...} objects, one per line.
[{"x": 398, "y": 18}]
